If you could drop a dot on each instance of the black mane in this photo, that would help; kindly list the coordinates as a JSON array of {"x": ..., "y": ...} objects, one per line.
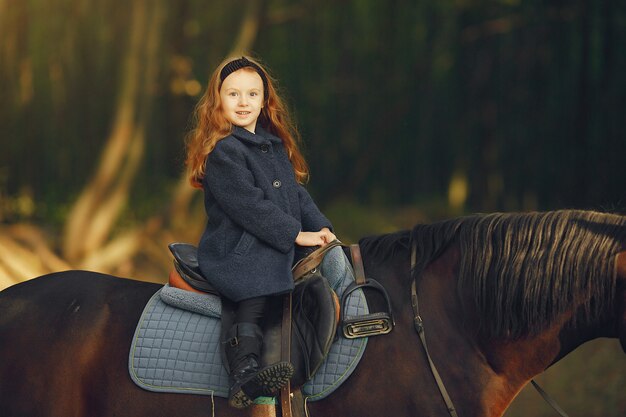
[
  {"x": 382, "y": 247},
  {"x": 524, "y": 269}
]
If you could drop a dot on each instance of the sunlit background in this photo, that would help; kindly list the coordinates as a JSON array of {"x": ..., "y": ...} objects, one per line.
[{"x": 410, "y": 112}]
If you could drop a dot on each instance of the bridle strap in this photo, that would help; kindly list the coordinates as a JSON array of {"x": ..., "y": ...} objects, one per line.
[
  {"x": 419, "y": 327},
  {"x": 549, "y": 399}
]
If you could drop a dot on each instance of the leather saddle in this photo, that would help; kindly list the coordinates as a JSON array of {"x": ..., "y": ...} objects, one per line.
[{"x": 314, "y": 313}]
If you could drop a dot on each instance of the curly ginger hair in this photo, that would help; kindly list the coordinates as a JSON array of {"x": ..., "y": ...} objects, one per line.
[{"x": 211, "y": 126}]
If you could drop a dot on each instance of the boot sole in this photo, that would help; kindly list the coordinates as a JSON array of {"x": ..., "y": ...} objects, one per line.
[{"x": 264, "y": 384}]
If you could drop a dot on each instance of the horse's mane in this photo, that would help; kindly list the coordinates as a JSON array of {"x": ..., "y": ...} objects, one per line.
[
  {"x": 525, "y": 269},
  {"x": 383, "y": 247}
]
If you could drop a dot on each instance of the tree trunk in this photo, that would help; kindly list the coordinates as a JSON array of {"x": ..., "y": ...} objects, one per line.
[{"x": 94, "y": 214}]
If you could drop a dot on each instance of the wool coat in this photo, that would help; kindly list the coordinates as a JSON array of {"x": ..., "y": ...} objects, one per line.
[{"x": 255, "y": 210}]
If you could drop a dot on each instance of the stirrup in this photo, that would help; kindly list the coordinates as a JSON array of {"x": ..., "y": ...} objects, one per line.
[{"x": 372, "y": 324}]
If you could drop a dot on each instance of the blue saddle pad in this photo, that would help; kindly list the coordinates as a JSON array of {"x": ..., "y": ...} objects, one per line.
[{"x": 176, "y": 349}]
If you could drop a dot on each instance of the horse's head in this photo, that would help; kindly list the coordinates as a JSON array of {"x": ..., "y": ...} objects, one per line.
[{"x": 621, "y": 298}]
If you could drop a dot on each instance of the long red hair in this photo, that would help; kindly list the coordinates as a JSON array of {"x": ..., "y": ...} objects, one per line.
[{"x": 211, "y": 126}]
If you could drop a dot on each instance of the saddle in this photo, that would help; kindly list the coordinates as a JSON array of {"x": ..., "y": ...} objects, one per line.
[
  {"x": 301, "y": 326},
  {"x": 314, "y": 312}
]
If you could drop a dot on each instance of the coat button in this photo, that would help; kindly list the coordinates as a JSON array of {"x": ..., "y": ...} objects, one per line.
[
  {"x": 276, "y": 183},
  {"x": 265, "y": 148}
]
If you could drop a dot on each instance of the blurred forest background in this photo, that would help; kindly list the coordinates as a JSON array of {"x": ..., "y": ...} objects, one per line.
[{"x": 410, "y": 112}]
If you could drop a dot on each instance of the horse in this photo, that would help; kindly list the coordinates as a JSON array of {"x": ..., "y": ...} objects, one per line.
[{"x": 502, "y": 297}]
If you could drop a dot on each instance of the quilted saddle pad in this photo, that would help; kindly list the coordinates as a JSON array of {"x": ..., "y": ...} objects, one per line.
[{"x": 176, "y": 350}]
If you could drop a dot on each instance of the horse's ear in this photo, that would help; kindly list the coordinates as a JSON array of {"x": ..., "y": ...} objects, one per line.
[{"x": 621, "y": 298}]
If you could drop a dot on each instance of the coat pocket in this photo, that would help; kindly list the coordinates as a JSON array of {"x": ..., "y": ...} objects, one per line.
[{"x": 243, "y": 246}]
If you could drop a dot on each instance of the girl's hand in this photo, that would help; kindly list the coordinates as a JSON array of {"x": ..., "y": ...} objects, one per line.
[
  {"x": 320, "y": 238},
  {"x": 310, "y": 239},
  {"x": 327, "y": 235}
]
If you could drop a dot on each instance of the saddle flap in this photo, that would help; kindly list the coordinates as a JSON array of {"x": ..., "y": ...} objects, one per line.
[
  {"x": 314, "y": 326},
  {"x": 314, "y": 323}
]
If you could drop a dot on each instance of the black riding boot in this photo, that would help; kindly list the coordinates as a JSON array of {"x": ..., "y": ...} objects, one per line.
[{"x": 247, "y": 380}]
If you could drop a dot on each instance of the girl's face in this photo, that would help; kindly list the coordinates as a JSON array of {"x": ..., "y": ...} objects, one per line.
[{"x": 241, "y": 96}]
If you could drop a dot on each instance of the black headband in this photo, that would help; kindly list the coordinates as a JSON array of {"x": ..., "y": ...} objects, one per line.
[{"x": 240, "y": 63}]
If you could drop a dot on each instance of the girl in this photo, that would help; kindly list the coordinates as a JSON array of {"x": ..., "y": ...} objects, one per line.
[{"x": 244, "y": 155}]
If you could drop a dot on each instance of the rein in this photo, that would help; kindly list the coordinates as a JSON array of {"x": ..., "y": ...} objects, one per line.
[{"x": 419, "y": 327}]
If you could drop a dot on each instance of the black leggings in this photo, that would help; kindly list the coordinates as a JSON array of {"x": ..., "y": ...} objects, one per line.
[{"x": 251, "y": 310}]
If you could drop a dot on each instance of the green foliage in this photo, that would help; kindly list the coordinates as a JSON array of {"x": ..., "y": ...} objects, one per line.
[
  {"x": 524, "y": 98},
  {"x": 353, "y": 221}
]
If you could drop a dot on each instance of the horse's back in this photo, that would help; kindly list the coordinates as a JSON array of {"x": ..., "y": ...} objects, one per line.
[
  {"x": 59, "y": 304},
  {"x": 54, "y": 329}
]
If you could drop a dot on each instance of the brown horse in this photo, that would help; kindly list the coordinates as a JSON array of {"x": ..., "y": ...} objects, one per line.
[{"x": 502, "y": 296}]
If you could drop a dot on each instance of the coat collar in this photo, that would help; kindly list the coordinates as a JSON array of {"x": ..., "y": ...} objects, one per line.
[{"x": 260, "y": 137}]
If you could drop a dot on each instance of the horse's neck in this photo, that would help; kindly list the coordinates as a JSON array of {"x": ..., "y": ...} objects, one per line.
[
  {"x": 468, "y": 371},
  {"x": 522, "y": 359},
  {"x": 497, "y": 369},
  {"x": 482, "y": 376},
  {"x": 572, "y": 328}
]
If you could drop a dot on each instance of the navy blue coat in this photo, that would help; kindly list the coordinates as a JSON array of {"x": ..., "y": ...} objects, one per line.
[{"x": 255, "y": 210}]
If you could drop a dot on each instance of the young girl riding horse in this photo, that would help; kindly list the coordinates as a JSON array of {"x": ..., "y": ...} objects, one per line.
[{"x": 244, "y": 154}]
